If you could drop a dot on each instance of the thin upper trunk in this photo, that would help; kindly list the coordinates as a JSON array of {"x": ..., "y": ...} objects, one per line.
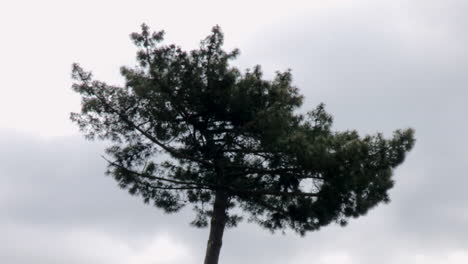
[{"x": 218, "y": 222}]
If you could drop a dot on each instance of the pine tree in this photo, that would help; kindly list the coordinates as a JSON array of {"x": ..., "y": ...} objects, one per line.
[{"x": 189, "y": 128}]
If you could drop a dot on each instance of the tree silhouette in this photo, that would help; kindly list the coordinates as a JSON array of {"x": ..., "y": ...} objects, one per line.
[{"x": 188, "y": 128}]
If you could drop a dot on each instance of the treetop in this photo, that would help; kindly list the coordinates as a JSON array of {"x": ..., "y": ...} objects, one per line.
[{"x": 186, "y": 126}]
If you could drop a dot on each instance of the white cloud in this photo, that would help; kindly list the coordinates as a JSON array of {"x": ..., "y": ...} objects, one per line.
[
  {"x": 335, "y": 257},
  {"x": 162, "y": 249},
  {"x": 21, "y": 244}
]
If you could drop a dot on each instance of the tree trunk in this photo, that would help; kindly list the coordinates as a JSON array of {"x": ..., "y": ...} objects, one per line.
[{"x": 218, "y": 222}]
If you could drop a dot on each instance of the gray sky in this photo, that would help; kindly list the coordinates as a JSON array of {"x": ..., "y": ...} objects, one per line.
[{"x": 378, "y": 66}]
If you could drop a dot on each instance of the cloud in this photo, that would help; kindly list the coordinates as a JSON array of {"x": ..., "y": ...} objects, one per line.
[
  {"x": 22, "y": 244},
  {"x": 57, "y": 206}
]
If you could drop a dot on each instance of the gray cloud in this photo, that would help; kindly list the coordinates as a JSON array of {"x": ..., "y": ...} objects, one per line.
[{"x": 377, "y": 74}]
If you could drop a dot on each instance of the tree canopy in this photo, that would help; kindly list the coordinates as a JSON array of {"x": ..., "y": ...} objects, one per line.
[{"x": 189, "y": 128}]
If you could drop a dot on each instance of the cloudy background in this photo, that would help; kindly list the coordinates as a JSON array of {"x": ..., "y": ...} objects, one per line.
[{"x": 378, "y": 66}]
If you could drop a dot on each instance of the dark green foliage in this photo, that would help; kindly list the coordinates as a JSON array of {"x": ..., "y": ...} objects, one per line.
[{"x": 187, "y": 124}]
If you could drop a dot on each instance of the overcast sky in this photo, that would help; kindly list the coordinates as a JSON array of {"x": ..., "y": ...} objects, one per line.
[{"x": 377, "y": 65}]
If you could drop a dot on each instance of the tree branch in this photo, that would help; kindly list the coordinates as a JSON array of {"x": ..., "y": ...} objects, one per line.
[
  {"x": 246, "y": 171},
  {"x": 170, "y": 150},
  {"x": 274, "y": 193},
  {"x": 152, "y": 177}
]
